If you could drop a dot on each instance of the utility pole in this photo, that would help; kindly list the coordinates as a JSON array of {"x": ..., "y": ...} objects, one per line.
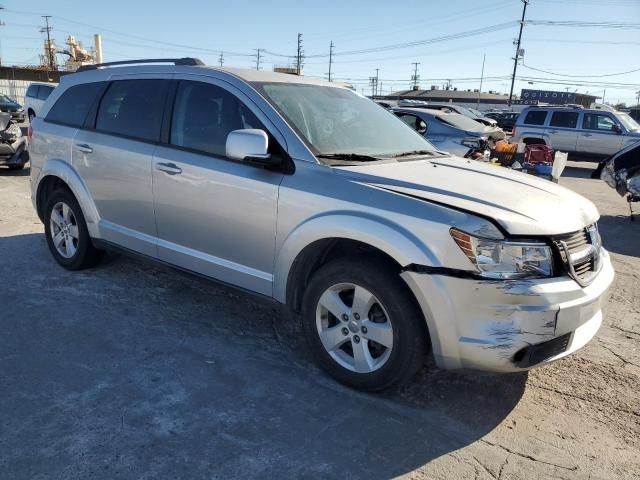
[
  {"x": 1, "y": 25},
  {"x": 377, "y": 70},
  {"x": 330, "y": 58},
  {"x": 484, "y": 57},
  {"x": 47, "y": 29},
  {"x": 415, "y": 77},
  {"x": 638, "y": 98},
  {"x": 372, "y": 82},
  {"x": 515, "y": 59},
  {"x": 258, "y": 50},
  {"x": 299, "y": 55},
  {"x": 221, "y": 58}
]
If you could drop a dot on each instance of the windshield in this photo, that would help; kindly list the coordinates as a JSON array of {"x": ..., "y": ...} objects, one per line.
[
  {"x": 339, "y": 121},
  {"x": 477, "y": 113},
  {"x": 628, "y": 121},
  {"x": 4, "y": 98},
  {"x": 462, "y": 122}
]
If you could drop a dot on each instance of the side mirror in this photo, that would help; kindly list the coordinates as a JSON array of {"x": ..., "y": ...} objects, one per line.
[
  {"x": 616, "y": 128},
  {"x": 249, "y": 145}
]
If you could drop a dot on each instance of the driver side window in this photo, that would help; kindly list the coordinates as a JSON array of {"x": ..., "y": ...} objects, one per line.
[{"x": 205, "y": 114}]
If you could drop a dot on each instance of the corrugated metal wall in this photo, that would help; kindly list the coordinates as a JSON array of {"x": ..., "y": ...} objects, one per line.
[{"x": 14, "y": 89}]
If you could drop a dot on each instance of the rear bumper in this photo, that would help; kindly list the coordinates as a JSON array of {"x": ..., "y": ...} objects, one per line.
[{"x": 507, "y": 326}]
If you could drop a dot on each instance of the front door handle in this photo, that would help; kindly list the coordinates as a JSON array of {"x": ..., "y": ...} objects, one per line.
[
  {"x": 587, "y": 134},
  {"x": 84, "y": 148},
  {"x": 169, "y": 168},
  {"x": 553, "y": 131}
]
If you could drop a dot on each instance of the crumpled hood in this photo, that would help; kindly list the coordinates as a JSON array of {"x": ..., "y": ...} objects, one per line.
[{"x": 522, "y": 204}]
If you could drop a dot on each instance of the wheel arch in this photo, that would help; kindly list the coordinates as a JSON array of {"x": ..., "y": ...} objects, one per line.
[
  {"x": 323, "y": 238},
  {"x": 56, "y": 174}
]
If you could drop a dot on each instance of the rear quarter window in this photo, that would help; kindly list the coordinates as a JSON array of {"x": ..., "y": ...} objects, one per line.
[
  {"x": 44, "y": 91},
  {"x": 32, "y": 91},
  {"x": 73, "y": 105},
  {"x": 535, "y": 117}
]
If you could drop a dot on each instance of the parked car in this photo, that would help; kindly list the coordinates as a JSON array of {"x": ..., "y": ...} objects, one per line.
[
  {"x": 450, "y": 107},
  {"x": 35, "y": 96},
  {"x": 309, "y": 193},
  {"x": 13, "y": 152},
  {"x": 448, "y": 131},
  {"x": 13, "y": 108},
  {"x": 506, "y": 120},
  {"x": 577, "y": 131}
]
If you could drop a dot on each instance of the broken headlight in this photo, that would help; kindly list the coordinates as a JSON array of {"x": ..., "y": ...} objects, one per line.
[{"x": 502, "y": 259}]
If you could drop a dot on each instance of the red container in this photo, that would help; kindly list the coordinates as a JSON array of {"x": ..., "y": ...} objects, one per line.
[{"x": 538, "y": 155}]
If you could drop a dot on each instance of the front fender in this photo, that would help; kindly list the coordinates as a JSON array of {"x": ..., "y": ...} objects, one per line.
[
  {"x": 389, "y": 237},
  {"x": 65, "y": 171}
]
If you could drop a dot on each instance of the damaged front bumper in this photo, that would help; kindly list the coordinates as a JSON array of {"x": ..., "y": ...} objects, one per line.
[
  {"x": 508, "y": 325},
  {"x": 14, "y": 153}
]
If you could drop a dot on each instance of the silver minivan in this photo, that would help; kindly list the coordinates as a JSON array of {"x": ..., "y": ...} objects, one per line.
[
  {"x": 582, "y": 132},
  {"x": 306, "y": 192}
]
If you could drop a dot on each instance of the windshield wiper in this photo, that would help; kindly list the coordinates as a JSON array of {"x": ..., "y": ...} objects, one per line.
[
  {"x": 355, "y": 157},
  {"x": 416, "y": 152}
]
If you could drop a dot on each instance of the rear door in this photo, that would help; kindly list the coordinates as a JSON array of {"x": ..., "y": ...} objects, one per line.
[
  {"x": 598, "y": 136},
  {"x": 563, "y": 131},
  {"x": 113, "y": 156},
  {"x": 215, "y": 216}
]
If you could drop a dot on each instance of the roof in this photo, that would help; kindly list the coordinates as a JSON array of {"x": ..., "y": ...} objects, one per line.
[
  {"x": 246, "y": 74},
  {"x": 447, "y": 94}
]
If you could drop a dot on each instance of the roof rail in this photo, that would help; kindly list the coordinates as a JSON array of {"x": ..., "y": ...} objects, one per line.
[{"x": 176, "y": 61}]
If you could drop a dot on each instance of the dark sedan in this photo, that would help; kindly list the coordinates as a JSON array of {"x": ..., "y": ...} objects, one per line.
[
  {"x": 13, "y": 108},
  {"x": 506, "y": 120}
]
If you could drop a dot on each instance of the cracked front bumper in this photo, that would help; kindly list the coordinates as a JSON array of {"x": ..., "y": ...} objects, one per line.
[{"x": 488, "y": 325}]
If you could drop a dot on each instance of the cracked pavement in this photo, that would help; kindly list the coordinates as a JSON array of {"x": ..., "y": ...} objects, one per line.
[{"x": 133, "y": 370}]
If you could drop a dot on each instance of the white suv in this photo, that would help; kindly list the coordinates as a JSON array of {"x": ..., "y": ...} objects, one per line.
[
  {"x": 311, "y": 194},
  {"x": 35, "y": 97}
]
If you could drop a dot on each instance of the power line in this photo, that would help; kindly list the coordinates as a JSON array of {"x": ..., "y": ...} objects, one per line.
[
  {"x": 572, "y": 23},
  {"x": 581, "y": 76}
]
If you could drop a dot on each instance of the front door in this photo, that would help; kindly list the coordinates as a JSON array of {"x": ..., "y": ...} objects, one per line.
[
  {"x": 215, "y": 216},
  {"x": 115, "y": 161},
  {"x": 598, "y": 135}
]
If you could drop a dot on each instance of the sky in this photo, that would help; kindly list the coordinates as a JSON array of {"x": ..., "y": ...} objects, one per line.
[{"x": 575, "y": 58}]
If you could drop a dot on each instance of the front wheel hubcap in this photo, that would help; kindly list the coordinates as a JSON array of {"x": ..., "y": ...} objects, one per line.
[
  {"x": 64, "y": 230},
  {"x": 354, "y": 327}
]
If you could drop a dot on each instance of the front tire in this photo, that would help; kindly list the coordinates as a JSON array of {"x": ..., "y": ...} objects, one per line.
[
  {"x": 363, "y": 325},
  {"x": 66, "y": 232}
]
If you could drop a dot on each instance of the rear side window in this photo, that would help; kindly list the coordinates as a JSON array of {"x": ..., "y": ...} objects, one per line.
[
  {"x": 73, "y": 105},
  {"x": 133, "y": 108},
  {"x": 564, "y": 119},
  {"x": 32, "y": 91},
  {"x": 44, "y": 92},
  {"x": 205, "y": 114},
  {"x": 535, "y": 117}
]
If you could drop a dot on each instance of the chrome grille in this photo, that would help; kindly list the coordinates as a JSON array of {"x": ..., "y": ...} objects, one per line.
[{"x": 580, "y": 252}]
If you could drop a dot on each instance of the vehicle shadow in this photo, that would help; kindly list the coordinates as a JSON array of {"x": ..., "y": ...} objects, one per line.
[
  {"x": 7, "y": 172},
  {"x": 134, "y": 367},
  {"x": 620, "y": 234},
  {"x": 579, "y": 172}
]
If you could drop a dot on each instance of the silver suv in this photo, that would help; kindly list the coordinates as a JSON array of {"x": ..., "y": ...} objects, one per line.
[
  {"x": 309, "y": 193},
  {"x": 582, "y": 132}
]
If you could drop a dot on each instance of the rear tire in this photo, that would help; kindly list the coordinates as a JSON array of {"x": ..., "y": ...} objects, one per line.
[
  {"x": 347, "y": 304},
  {"x": 66, "y": 232}
]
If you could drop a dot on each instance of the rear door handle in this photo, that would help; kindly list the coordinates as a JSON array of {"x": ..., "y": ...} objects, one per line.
[
  {"x": 169, "y": 168},
  {"x": 84, "y": 148},
  {"x": 553, "y": 131}
]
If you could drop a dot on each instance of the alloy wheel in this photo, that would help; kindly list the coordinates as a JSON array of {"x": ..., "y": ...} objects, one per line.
[
  {"x": 354, "y": 327},
  {"x": 64, "y": 230}
]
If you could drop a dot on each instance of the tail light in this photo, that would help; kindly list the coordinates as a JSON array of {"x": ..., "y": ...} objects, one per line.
[{"x": 30, "y": 133}]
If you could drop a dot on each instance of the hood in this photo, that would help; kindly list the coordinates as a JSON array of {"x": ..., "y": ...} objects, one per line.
[
  {"x": 522, "y": 204},
  {"x": 4, "y": 105}
]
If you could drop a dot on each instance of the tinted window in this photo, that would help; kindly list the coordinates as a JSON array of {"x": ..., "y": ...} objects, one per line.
[
  {"x": 593, "y": 121},
  {"x": 414, "y": 122},
  {"x": 564, "y": 119},
  {"x": 535, "y": 117},
  {"x": 44, "y": 92},
  {"x": 32, "y": 91},
  {"x": 133, "y": 108},
  {"x": 74, "y": 104},
  {"x": 204, "y": 115}
]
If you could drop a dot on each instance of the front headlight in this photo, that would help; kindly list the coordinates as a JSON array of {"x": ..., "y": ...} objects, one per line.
[{"x": 502, "y": 259}]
